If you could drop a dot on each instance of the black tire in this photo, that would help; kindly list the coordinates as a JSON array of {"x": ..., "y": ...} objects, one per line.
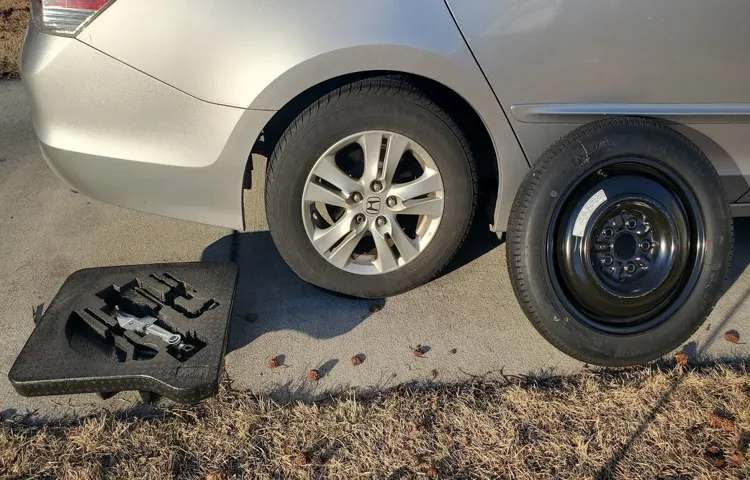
[
  {"x": 575, "y": 289},
  {"x": 381, "y": 103}
]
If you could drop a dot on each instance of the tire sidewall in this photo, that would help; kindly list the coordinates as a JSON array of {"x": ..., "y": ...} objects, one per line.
[
  {"x": 662, "y": 145},
  {"x": 326, "y": 126}
]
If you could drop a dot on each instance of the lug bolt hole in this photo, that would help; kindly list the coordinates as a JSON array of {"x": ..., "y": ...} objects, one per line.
[
  {"x": 645, "y": 245},
  {"x": 391, "y": 202},
  {"x": 360, "y": 218},
  {"x": 376, "y": 186},
  {"x": 631, "y": 223},
  {"x": 608, "y": 232},
  {"x": 357, "y": 197},
  {"x": 607, "y": 260},
  {"x": 381, "y": 221},
  {"x": 629, "y": 267}
]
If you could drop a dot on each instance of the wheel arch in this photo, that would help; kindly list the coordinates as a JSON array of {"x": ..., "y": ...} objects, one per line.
[
  {"x": 463, "y": 95},
  {"x": 457, "y": 106}
]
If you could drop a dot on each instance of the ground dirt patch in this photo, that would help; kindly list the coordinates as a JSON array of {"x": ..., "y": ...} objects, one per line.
[
  {"x": 649, "y": 423},
  {"x": 14, "y": 15}
]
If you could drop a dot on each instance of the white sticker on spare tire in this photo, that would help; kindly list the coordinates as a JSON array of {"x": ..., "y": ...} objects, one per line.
[{"x": 588, "y": 209}]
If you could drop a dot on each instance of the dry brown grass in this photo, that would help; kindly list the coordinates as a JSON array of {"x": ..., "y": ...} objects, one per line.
[
  {"x": 14, "y": 15},
  {"x": 630, "y": 425}
]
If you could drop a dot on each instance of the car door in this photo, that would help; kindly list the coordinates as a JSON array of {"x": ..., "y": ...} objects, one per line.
[{"x": 556, "y": 64}]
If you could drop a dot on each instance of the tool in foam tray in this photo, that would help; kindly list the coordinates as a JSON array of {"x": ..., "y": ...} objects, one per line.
[{"x": 147, "y": 325}]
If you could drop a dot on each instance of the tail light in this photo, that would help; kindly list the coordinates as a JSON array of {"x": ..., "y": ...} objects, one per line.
[{"x": 65, "y": 17}]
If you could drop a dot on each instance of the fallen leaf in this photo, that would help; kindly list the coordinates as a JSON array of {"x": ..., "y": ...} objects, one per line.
[
  {"x": 466, "y": 440},
  {"x": 300, "y": 460},
  {"x": 417, "y": 351},
  {"x": 736, "y": 458},
  {"x": 313, "y": 375},
  {"x": 217, "y": 475},
  {"x": 274, "y": 362},
  {"x": 434, "y": 373},
  {"x": 452, "y": 351},
  {"x": 432, "y": 472},
  {"x": 357, "y": 360},
  {"x": 287, "y": 448},
  {"x": 681, "y": 359},
  {"x": 715, "y": 456},
  {"x": 375, "y": 308},
  {"x": 732, "y": 337},
  {"x": 718, "y": 421}
]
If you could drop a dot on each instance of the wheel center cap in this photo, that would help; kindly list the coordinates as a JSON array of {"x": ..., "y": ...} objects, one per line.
[{"x": 373, "y": 205}]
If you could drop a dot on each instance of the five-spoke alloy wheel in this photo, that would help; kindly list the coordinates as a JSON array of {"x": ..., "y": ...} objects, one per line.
[
  {"x": 381, "y": 213},
  {"x": 371, "y": 190}
]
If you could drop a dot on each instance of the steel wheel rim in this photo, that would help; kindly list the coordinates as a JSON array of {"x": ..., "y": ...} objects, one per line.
[
  {"x": 372, "y": 202},
  {"x": 662, "y": 211}
]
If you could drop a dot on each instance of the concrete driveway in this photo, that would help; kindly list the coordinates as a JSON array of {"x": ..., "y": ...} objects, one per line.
[{"x": 48, "y": 232}]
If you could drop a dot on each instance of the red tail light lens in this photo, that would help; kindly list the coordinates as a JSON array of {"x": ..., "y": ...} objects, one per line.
[
  {"x": 65, "y": 17},
  {"x": 79, "y": 4}
]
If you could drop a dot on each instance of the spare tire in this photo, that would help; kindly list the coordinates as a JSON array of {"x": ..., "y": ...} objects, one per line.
[{"x": 619, "y": 241}]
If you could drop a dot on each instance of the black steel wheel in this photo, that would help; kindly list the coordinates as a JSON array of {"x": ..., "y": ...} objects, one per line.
[{"x": 619, "y": 241}]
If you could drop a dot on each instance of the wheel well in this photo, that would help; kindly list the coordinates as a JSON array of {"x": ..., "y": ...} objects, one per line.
[{"x": 458, "y": 108}]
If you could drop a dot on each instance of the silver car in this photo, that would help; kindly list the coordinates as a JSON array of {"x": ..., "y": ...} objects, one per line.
[{"x": 608, "y": 140}]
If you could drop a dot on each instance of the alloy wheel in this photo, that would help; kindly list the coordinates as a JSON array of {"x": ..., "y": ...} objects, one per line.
[{"x": 373, "y": 202}]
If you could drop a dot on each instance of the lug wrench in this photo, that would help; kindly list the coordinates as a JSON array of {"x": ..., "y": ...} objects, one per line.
[{"x": 147, "y": 325}]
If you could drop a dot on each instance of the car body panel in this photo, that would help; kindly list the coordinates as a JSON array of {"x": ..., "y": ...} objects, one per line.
[
  {"x": 262, "y": 54},
  {"x": 163, "y": 101},
  {"x": 120, "y": 136},
  {"x": 559, "y": 64},
  {"x": 259, "y": 54}
]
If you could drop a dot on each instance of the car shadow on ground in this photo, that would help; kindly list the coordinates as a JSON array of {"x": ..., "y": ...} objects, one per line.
[{"x": 270, "y": 296}]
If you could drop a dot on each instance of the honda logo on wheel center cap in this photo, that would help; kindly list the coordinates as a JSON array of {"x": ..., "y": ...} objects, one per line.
[{"x": 372, "y": 205}]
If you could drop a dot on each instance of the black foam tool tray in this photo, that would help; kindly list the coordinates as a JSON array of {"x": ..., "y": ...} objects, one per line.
[{"x": 79, "y": 347}]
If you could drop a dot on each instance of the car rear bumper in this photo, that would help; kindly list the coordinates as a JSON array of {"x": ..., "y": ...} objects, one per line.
[{"x": 123, "y": 137}]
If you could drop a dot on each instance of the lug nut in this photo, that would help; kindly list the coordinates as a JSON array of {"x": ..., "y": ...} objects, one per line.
[
  {"x": 391, "y": 201},
  {"x": 607, "y": 260},
  {"x": 645, "y": 245},
  {"x": 631, "y": 223},
  {"x": 381, "y": 221},
  {"x": 629, "y": 267},
  {"x": 608, "y": 232},
  {"x": 360, "y": 218},
  {"x": 377, "y": 186},
  {"x": 357, "y": 197}
]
